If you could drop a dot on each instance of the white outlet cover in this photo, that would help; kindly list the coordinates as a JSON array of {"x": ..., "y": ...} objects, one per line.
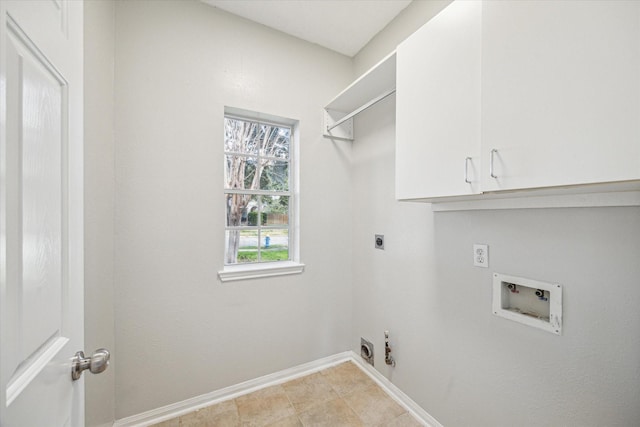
[{"x": 481, "y": 255}]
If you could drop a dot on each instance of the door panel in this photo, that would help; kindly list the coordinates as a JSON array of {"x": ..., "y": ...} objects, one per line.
[
  {"x": 42, "y": 208},
  {"x": 438, "y": 106},
  {"x": 560, "y": 87},
  {"x": 36, "y": 101}
]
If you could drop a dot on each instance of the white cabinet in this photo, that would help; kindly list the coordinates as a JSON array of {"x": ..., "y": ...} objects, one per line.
[
  {"x": 560, "y": 93},
  {"x": 541, "y": 94},
  {"x": 438, "y": 106}
]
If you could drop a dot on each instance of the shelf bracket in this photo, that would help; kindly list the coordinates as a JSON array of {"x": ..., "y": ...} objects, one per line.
[
  {"x": 333, "y": 119},
  {"x": 343, "y": 130}
]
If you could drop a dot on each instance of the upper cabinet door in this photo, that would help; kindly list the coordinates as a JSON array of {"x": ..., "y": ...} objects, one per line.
[
  {"x": 560, "y": 93},
  {"x": 438, "y": 106}
]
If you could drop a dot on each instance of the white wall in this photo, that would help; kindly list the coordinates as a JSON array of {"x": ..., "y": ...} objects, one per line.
[
  {"x": 461, "y": 363},
  {"x": 99, "y": 205},
  {"x": 180, "y": 332}
]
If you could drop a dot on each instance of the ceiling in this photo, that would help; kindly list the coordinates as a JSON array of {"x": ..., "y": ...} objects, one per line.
[{"x": 344, "y": 26}]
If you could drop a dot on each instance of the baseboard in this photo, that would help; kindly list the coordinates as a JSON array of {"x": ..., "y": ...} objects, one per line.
[
  {"x": 398, "y": 395},
  {"x": 180, "y": 408}
]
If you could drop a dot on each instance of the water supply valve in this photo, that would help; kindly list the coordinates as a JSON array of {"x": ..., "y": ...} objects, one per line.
[{"x": 388, "y": 359}]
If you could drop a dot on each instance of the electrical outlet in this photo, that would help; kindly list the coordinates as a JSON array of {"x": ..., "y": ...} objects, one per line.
[
  {"x": 379, "y": 242},
  {"x": 481, "y": 255}
]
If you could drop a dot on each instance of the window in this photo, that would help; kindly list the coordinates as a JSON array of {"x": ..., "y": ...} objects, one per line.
[{"x": 258, "y": 187}]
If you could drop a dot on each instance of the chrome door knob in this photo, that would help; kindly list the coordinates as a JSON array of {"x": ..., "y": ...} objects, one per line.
[{"x": 97, "y": 363}]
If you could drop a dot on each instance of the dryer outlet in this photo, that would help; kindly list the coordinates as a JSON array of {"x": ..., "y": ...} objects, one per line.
[{"x": 366, "y": 351}]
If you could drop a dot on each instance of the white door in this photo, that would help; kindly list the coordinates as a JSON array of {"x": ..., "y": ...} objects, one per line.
[
  {"x": 560, "y": 93},
  {"x": 438, "y": 106},
  {"x": 41, "y": 212}
]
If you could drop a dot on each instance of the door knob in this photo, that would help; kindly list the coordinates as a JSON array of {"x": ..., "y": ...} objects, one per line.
[{"x": 97, "y": 363}]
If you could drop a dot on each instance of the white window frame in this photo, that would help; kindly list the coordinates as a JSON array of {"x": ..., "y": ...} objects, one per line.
[{"x": 256, "y": 270}]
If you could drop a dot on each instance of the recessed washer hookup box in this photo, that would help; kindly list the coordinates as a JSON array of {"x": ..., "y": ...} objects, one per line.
[{"x": 530, "y": 302}]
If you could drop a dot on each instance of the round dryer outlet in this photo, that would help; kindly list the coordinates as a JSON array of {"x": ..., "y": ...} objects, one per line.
[{"x": 366, "y": 351}]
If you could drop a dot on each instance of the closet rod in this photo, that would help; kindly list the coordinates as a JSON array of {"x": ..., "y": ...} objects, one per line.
[{"x": 361, "y": 109}]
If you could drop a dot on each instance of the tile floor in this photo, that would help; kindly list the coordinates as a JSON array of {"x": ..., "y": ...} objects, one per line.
[{"x": 340, "y": 396}]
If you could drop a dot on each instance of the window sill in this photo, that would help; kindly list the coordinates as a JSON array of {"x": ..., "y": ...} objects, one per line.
[{"x": 244, "y": 272}]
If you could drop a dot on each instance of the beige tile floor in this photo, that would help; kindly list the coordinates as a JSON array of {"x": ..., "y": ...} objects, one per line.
[{"x": 340, "y": 396}]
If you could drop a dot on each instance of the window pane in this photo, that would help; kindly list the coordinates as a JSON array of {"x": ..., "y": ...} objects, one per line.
[
  {"x": 242, "y": 210},
  {"x": 274, "y": 245},
  {"x": 276, "y": 210},
  {"x": 275, "y": 141},
  {"x": 275, "y": 175},
  {"x": 239, "y": 172},
  {"x": 241, "y": 247},
  {"x": 241, "y": 136}
]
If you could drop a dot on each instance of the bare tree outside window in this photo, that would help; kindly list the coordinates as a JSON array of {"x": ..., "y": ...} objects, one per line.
[{"x": 257, "y": 191}]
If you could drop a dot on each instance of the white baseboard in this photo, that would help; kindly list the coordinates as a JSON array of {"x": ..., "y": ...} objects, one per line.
[
  {"x": 398, "y": 395},
  {"x": 180, "y": 408}
]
